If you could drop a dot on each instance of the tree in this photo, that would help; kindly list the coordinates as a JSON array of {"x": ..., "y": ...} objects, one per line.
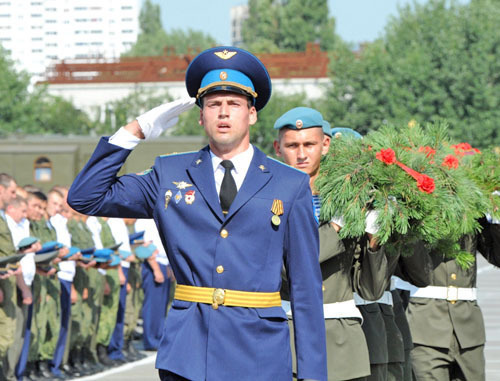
[
  {"x": 263, "y": 134},
  {"x": 153, "y": 40},
  {"x": 36, "y": 111},
  {"x": 436, "y": 60},
  {"x": 274, "y": 25}
]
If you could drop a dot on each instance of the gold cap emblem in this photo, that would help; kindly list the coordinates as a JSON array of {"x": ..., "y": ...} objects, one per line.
[
  {"x": 223, "y": 75},
  {"x": 225, "y": 54},
  {"x": 338, "y": 135},
  {"x": 299, "y": 124}
]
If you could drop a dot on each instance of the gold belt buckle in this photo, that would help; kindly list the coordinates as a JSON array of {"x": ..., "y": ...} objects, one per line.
[
  {"x": 218, "y": 298},
  {"x": 452, "y": 294}
]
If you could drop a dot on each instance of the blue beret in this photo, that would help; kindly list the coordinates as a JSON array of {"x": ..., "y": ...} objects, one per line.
[
  {"x": 337, "y": 132},
  {"x": 227, "y": 68},
  {"x": 26, "y": 242},
  {"x": 115, "y": 260},
  {"x": 302, "y": 117},
  {"x": 72, "y": 251},
  {"x": 136, "y": 236},
  {"x": 50, "y": 246},
  {"x": 124, "y": 253},
  {"x": 144, "y": 252},
  {"x": 327, "y": 129}
]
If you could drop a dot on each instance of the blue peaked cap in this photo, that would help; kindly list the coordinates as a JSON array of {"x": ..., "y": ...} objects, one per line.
[
  {"x": 302, "y": 117},
  {"x": 227, "y": 68},
  {"x": 136, "y": 236},
  {"x": 337, "y": 132},
  {"x": 50, "y": 246}
]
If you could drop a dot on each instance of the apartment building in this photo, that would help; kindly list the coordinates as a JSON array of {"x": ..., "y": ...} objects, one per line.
[{"x": 37, "y": 32}]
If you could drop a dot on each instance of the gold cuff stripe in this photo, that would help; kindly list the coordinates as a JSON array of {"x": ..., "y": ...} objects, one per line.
[
  {"x": 232, "y": 298},
  {"x": 226, "y": 83}
]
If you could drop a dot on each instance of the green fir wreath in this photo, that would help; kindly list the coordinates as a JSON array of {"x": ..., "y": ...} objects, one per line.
[{"x": 407, "y": 175}]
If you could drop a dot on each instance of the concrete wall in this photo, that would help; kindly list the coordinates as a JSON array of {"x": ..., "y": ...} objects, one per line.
[{"x": 93, "y": 97}]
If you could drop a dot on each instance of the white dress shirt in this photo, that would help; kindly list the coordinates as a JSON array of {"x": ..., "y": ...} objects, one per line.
[
  {"x": 18, "y": 231},
  {"x": 151, "y": 234},
  {"x": 95, "y": 228},
  {"x": 67, "y": 269},
  {"x": 120, "y": 234},
  {"x": 241, "y": 164}
]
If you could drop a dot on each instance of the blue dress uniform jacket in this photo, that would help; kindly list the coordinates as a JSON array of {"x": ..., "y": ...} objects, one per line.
[{"x": 242, "y": 251}]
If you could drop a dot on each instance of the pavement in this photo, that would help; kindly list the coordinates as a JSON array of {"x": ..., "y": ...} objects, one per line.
[{"x": 488, "y": 281}]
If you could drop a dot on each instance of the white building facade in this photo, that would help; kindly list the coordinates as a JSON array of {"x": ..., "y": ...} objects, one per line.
[{"x": 36, "y": 32}]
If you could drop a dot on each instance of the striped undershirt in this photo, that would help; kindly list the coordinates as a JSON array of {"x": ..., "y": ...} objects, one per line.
[{"x": 316, "y": 206}]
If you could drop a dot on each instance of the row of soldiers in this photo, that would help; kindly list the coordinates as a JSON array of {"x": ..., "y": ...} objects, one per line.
[
  {"x": 410, "y": 315},
  {"x": 72, "y": 287}
]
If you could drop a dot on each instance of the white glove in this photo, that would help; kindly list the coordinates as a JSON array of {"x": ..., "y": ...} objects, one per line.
[
  {"x": 490, "y": 219},
  {"x": 370, "y": 219},
  {"x": 339, "y": 221},
  {"x": 161, "y": 118}
]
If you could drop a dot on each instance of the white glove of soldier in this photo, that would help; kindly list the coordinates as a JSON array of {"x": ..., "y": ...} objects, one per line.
[
  {"x": 490, "y": 219},
  {"x": 163, "y": 117},
  {"x": 370, "y": 219}
]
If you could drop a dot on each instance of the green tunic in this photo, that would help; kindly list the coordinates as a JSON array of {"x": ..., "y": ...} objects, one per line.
[
  {"x": 344, "y": 336},
  {"x": 8, "y": 287},
  {"x": 440, "y": 324}
]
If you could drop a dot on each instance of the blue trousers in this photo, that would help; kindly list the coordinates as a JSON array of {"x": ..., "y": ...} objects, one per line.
[
  {"x": 23, "y": 358},
  {"x": 116, "y": 344},
  {"x": 65, "y": 322},
  {"x": 154, "y": 306}
]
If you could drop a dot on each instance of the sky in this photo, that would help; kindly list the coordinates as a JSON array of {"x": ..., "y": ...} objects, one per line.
[{"x": 357, "y": 20}]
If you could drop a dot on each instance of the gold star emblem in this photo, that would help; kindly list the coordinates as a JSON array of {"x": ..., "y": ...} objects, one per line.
[{"x": 262, "y": 168}]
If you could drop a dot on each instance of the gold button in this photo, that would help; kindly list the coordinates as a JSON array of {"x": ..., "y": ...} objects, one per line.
[
  {"x": 224, "y": 233},
  {"x": 220, "y": 269},
  {"x": 323, "y": 288},
  {"x": 453, "y": 276},
  {"x": 453, "y": 301}
]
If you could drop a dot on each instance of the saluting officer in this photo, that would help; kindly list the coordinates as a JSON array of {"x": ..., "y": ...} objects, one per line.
[{"x": 229, "y": 218}]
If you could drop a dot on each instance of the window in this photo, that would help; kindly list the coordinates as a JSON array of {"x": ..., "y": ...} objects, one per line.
[{"x": 42, "y": 169}]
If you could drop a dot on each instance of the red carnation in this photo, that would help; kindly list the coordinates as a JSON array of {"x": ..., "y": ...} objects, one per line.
[
  {"x": 426, "y": 184},
  {"x": 450, "y": 161},
  {"x": 386, "y": 155},
  {"x": 429, "y": 152}
]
